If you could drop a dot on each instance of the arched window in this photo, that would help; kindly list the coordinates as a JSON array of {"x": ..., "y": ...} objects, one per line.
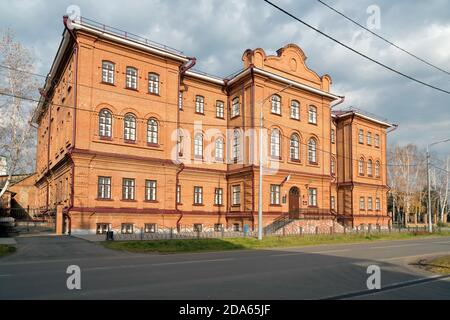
[
  {"x": 105, "y": 123},
  {"x": 295, "y": 110},
  {"x": 369, "y": 138},
  {"x": 377, "y": 169},
  {"x": 276, "y": 104},
  {"x": 312, "y": 115},
  {"x": 369, "y": 167},
  {"x": 153, "y": 83},
  {"x": 333, "y": 166},
  {"x": 152, "y": 131},
  {"x": 108, "y": 72},
  {"x": 275, "y": 145},
  {"x": 312, "y": 151},
  {"x": 131, "y": 78},
  {"x": 295, "y": 147},
  {"x": 236, "y": 145},
  {"x": 361, "y": 166},
  {"x": 219, "y": 149},
  {"x": 198, "y": 145},
  {"x": 129, "y": 133}
]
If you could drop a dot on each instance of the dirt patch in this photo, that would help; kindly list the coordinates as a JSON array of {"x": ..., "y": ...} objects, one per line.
[{"x": 437, "y": 265}]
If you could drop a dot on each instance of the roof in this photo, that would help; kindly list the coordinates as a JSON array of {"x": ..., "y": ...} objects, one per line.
[{"x": 343, "y": 113}]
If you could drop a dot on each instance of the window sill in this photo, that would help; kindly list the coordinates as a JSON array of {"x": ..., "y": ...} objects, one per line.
[
  {"x": 200, "y": 113},
  {"x": 218, "y": 205},
  {"x": 156, "y": 94},
  {"x": 314, "y": 124},
  {"x": 132, "y": 89},
  {"x": 295, "y": 119},
  {"x": 235, "y": 205},
  {"x": 198, "y": 204},
  {"x": 104, "y": 199},
  {"x": 153, "y": 145},
  {"x": 314, "y": 164},
  {"x": 128, "y": 200},
  {"x": 276, "y": 158},
  {"x": 129, "y": 141},
  {"x": 221, "y": 118},
  {"x": 151, "y": 201},
  {"x": 235, "y": 116},
  {"x": 105, "y": 138},
  {"x": 276, "y": 114},
  {"x": 108, "y": 83},
  {"x": 295, "y": 161},
  {"x": 313, "y": 207},
  {"x": 275, "y": 205}
]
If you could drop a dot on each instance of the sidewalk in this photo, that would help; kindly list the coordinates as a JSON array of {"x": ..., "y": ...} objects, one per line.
[
  {"x": 10, "y": 241},
  {"x": 90, "y": 237}
]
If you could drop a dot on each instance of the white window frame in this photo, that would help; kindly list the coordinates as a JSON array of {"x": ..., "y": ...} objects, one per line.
[
  {"x": 294, "y": 147},
  {"x": 108, "y": 69},
  {"x": 218, "y": 196},
  {"x": 152, "y": 131},
  {"x": 198, "y": 195},
  {"x": 312, "y": 114},
  {"x": 105, "y": 123},
  {"x": 275, "y": 104},
  {"x": 236, "y": 195},
  {"x": 131, "y": 78},
  {"x": 199, "y": 104},
  {"x": 295, "y": 110},
  {"x": 312, "y": 197},
  {"x": 153, "y": 83},
  {"x": 275, "y": 143},
  {"x": 104, "y": 187},
  {"x": 129, "y": 127},
  {"x": 150, "y": 190},
  {"x": 235, "y": 107},
  {"x": 220, "y": 109},
  {"x": 198, "y": 145},
  {"x": 275, "y": 191},
  {"x": 128, "y": 189},
  {"x": 312, "y": 151}
]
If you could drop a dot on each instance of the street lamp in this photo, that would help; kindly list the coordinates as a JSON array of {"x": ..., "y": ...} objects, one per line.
[
  {"x": 261, "y": 118},
  {"x": 430, "y": 225}
]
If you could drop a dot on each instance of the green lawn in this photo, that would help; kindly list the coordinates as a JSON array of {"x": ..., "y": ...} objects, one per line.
[
  {"x": 196, "y": 245},
  {"x": 6, "y": 249}
]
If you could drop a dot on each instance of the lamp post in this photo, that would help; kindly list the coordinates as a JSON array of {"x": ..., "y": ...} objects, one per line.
[
  {"x": 430, "y": 225},
  {"x": 261, "y": 126}
]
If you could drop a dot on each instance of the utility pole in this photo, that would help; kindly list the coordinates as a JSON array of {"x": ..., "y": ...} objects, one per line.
[{"x": 430, "y": 224}]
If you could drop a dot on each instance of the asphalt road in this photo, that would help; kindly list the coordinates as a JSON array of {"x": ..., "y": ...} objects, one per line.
[{"x": 38, "y": 271}]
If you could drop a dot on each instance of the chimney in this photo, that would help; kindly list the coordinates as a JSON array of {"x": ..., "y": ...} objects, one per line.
[{"x": 3, "y": 164}]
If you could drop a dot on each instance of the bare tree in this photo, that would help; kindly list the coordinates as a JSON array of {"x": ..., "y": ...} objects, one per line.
[
  {"x": 16, "y": 82},
  {"x": 440, "y": 183}
]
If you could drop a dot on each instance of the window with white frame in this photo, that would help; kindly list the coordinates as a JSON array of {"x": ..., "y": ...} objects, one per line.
[
  {"x": 377, "y": 169},
  {"x": 108, "y": 72},
  {"x": 235, "y": 107},
  {"x": 104, "y": 188},
  {"x": 377, "y": 140},
  {"x": 236, "y": 151},
  {"x": 127, "y": 228},
  {"x": 369, "y": 138},
  {"x": 361, "y": 136},
  {"x": 128, "y": 186},
  {"x": 236, "y": 195},
  {"x": 102, "y": 228},
  {"x": 333, "y": 203},
  {"x": 295, "y": 110},
  {"x": 276, "y": 104},
  {"x": 105, "y": 123},
  {"x": 312, "y": 114},
  {"x": 129, "y": 133},
  {"x": 198, "y": 195},
  {"x": 361, "y": 166},
  {"x": 180, "y": 100},
  {"x": 312, "y": 197},
  {"x": 198, "y": 145},
  {"x": 131, "y": 78},
  {"x": 377, "y": 204},
  {"x": 218, "y": 195},
  {"x": 369, "y": 203},
  {"x": 274, "y": 194},
  {"x": 198, "y": 227},
  {"x": 219, "y": 149},
  {"x": 152, "y": 131},
  {"x": 220, "y": 109},
  {"x": 275, "y": 143},
  {"x": 362, "y": 203},
  {"x": 333, "y": 166},
  {"x": 295, "y": 147},
  {"x": 369, "y": 167},
  {"x": 178, "y": 194},
  {"x": 150, "y": 190},
  {"x": 199, "y": 104},
  {"x": 312, "y": 151},
  {"x": 218, "y": 227},
  {"x": 150, "y": 228},
  {"x": 153, "y": 84},
  {"x": 332, "y": 136}
]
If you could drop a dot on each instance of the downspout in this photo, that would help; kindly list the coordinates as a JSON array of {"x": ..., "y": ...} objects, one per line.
[
  {"x": 44, "y": 95},
  {"x": 351, "y": 157},
  {"x": 341, "y": 100},
  {"x": 252, "y": 124},
  {"x": 183, "y": 68},
  {"x": 74, "y": 129}
]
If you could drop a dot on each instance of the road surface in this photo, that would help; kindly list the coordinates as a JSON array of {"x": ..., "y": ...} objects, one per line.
[{"x": 38, "y": 271}]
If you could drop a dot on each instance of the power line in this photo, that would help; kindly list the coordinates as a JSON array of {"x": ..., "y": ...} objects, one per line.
[
  {"x": 356, "y": 51},
  {"x": 384, "y": 39}
]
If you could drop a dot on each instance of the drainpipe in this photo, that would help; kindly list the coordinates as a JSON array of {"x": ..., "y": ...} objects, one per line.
[
  {"x": 44, "y": 95},
  {"x": 74, "y": 129},
  {"x": 341, "y": 100},
  {"x": 183, "y": 68}
]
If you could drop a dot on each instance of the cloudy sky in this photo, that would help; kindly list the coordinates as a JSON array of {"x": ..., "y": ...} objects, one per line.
[{"x": 217, "y": 32}]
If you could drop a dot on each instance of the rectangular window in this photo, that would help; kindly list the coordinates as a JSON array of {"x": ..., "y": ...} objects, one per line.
[
  {"x": 218, "y": 195},
  {"x": 333, "y": 203},
  {"x": 236, "y": 195},
  {"x": 218, "y": 227},
  {"x": 362, "y": 203},
  {"x": 198, "y": 195},
  {"x": 276, "y": 104},
  {"x": 178, "y": 194},
  {"x": 369, "y": 138},
  {"x": 198, "y": 227},
  {"x": 127, "y": 228},
  {"x": 361, "y": 136},
  {"x": 153, "y": 83},
  {"x": 199, "y": 104},
  {"x": 370, "y": 203},
  {"x": 220, "y": 109},
  {"x": 128, "y": 189},
  {"x": 102, "y": 228},
  {"x": 150, "y": 228},
  {"x": 333, "y": 138},
  {"x": 295, "y": 110},
  {"x": 377, "y": 204},
  {"x": 377, "y": 140},
  {"x": 180, "y": 100},
  {"x": 108, "y": 72},
  {"x": 235, "y": 107},
  {"x": 274, "y": 194},
  {"x": 236, "y": 227},
  {"x": 312, "y": 197},
  {"x": 104, "y": 188},
  {"x": 312, "y": 115},
  {"x": 131, "y": 78},
  {"x": 150, "y": 190}
]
